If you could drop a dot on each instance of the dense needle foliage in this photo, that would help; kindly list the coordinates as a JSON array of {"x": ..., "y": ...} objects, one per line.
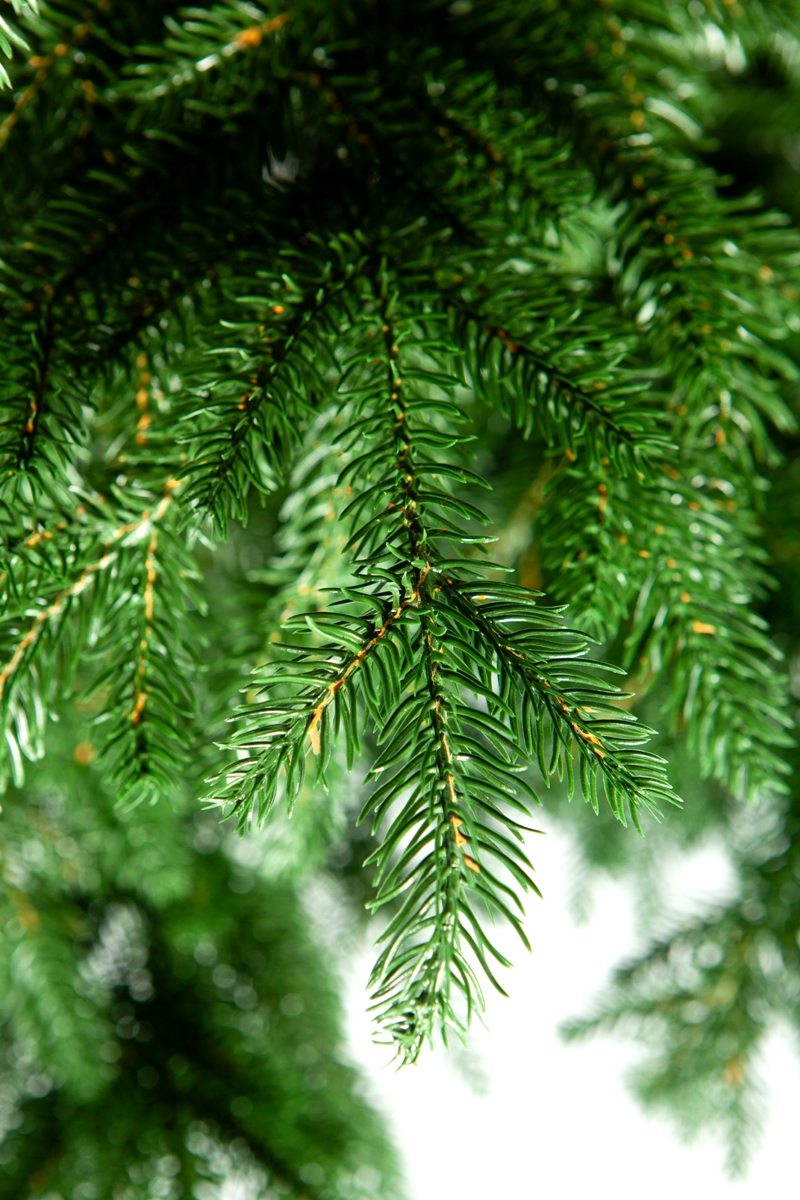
[{"x": 283, "y": 291}]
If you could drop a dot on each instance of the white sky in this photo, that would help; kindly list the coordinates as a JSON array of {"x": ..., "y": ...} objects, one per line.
[{"x": 557, "y": 1121}]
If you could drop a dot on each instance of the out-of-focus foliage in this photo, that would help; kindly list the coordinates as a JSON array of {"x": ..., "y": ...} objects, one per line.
[
  {"x": 710, "y": 989},
  {"x": 167, "y": 1024}
]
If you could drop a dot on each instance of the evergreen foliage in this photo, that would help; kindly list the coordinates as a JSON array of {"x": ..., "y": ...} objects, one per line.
[
  {"x": 311, "y": 259},
  {"x": 167, "y": 1022}
]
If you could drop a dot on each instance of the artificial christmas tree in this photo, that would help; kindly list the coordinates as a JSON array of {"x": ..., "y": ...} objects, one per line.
[{"x": 282, "y": 291}]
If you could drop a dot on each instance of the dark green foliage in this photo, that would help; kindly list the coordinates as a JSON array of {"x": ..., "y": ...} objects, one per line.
[
  {"x": 165, "y": 1013},
  {"x": 309, "y": 261}
]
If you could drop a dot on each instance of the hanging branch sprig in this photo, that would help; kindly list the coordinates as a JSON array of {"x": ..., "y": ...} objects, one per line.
[
  {"x": 148, "y": 666},
  {"x": 458, "y": 678},
  {"x": 423, "y": 978}
]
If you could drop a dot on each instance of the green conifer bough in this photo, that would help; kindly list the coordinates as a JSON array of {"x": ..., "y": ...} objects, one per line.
[{"x": 354, "y": 260}]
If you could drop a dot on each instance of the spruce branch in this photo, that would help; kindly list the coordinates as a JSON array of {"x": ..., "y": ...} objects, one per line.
[
  {"x": 458, "y": 677},
  {"x": 306, "y": 700},
  {"x": 429, "y": 743},
  {"x": 531, "y": 646},
  {"x": 44, "y": 657},
  {"x": 424, "y": 860},
  {"x": 595, "y": 407},
  {"x": 673, "y": 565},
  {"x": 724, "y": 368},
  {"x": 147, "y": 671},
  {"x": 692, "y": 291},
  {"x": 280, "y": 358},
  {"x": 40, "y": 407}
]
